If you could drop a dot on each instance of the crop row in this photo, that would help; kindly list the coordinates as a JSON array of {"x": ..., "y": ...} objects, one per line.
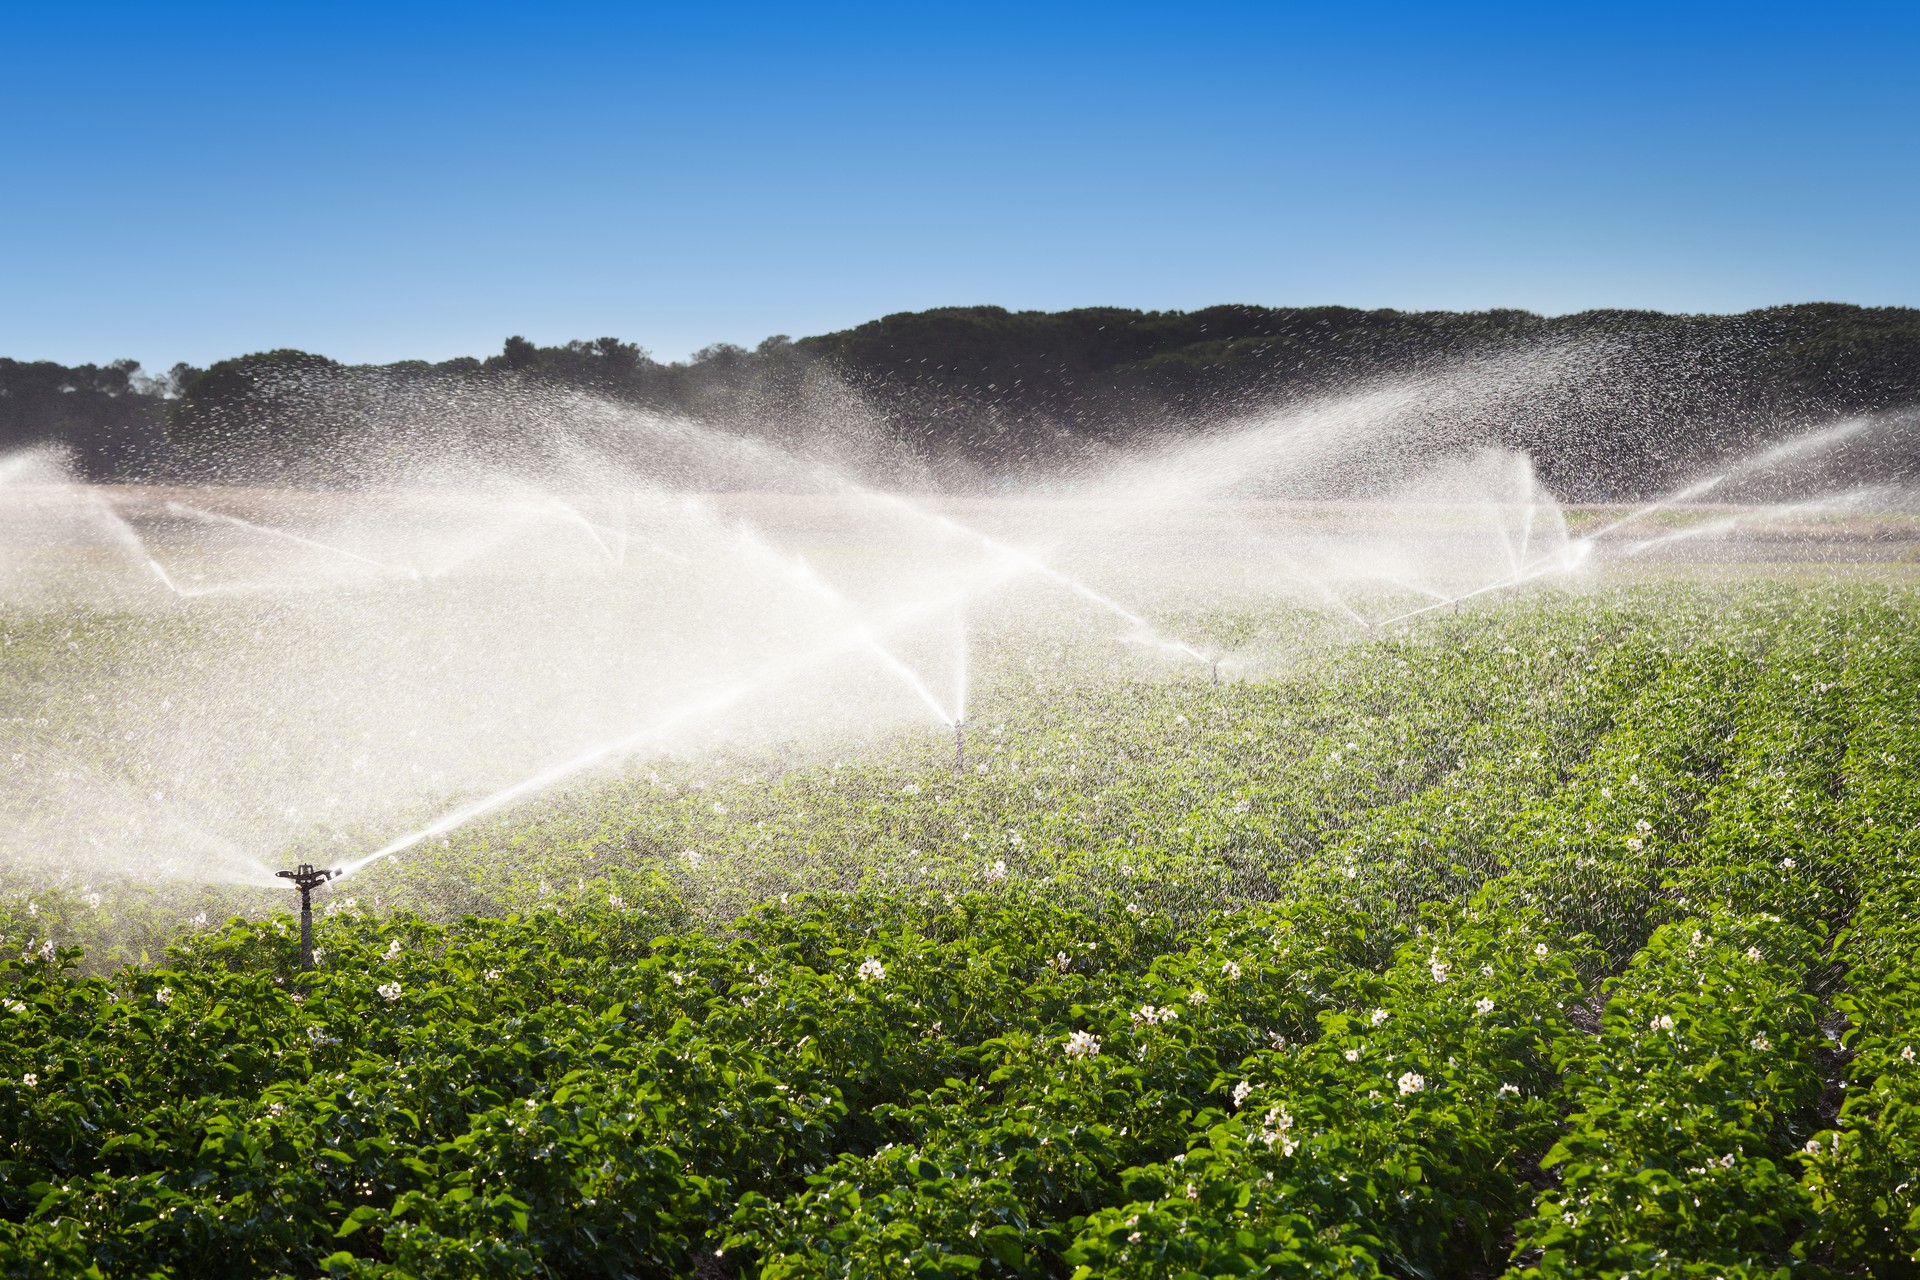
[
  {"x": 1700, "y": 1083},
  {"x": 1861, "y": 1172}
]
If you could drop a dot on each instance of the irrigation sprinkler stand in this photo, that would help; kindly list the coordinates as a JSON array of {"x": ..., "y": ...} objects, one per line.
[
  {"x": 306, "y": 879},
  {"x": 959, "y": 746},
  {"x": 1213, "y": 665}
]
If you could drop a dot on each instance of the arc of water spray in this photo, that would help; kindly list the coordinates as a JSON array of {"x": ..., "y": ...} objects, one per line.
[
  {"x": 655, "y": 729},
  {"x": 1522, "y": 570},
  {"x": 46, "y": 747},
  {"x": 1144, "y": 631},
  {"x": 1526, "y": 533},
  {"x": 599, "y": 532},
  {"x": 1418, "y": 589},
  {"x": 1332, "y": 597},
  {"x": 1807, "y": 442},
  {"x": 837, "y": 481},
  {"x": 797, "y": 570},
  {"x": 117, "y": 527},
  {"x": 1709, "y": 528},
  {"x": 1546, "y": 569},
  {"x": 218, "y": 517},
  {"x": 684, "y": 429},
  {"x": 596, "y": 530},
  {"x": 709, "y": 705},
  {"x": 1497, "y": 519},
  {"x": 1698, "y": 489},
  {"x": 166, "y": 579},
  {"x": 506, "y": 523},
  {"x": 654, "y": 545},
  {"x": 573, "y": 515}
]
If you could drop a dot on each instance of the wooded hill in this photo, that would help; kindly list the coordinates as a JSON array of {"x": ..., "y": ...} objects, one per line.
[{"x": 974, "y": 394}]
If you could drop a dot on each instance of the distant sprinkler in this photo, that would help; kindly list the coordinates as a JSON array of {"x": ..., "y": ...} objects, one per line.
[{"x": 306, "y": 879}]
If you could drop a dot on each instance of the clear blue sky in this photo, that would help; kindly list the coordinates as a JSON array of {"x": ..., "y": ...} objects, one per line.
[{"x": 185, "y": 182}]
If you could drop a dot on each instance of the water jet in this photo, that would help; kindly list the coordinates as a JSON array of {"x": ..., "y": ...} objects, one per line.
[{"x": 283, "y": 535}]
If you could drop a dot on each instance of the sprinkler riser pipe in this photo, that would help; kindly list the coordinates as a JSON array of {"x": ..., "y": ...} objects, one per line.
[
  {"x": 306, "y": 878},
  {"x": 306, "y": 931}
]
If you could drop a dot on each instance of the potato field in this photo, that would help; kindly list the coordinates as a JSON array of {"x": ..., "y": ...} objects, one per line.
[{"x": 1569, "y": 935}]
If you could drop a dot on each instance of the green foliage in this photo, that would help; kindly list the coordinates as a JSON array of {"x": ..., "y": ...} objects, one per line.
[
  {"x": 1701, "y": 1081},
  {"x": 1578, "y": 941}
]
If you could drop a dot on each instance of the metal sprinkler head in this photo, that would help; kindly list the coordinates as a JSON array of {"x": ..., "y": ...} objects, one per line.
[
  {"x": 959, "y": 746},
  {"x": 306, "y": 878}
]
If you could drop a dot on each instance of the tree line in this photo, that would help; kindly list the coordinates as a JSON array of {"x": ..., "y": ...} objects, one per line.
[{"x": 977, "y": 394}]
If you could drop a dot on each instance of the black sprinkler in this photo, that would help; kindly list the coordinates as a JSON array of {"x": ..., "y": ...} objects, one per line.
[{"x": 306, "y": 879}]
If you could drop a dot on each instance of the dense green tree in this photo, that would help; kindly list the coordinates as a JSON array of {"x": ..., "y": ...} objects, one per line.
[
  {"x": 107, "y": 416},
  {"x": 246, "y": 399},
  {"x": 972, "y": 392}
]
